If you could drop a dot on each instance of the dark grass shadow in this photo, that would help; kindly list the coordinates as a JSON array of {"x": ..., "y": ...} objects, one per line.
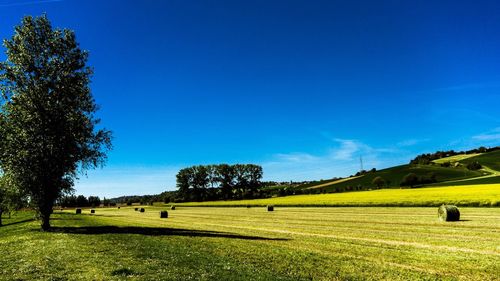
[
  {"x": 157, "y": 231},
  {"x": 18, "y": 222}
]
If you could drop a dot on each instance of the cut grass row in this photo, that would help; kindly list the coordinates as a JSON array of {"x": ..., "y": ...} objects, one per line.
[
  {"x": 253, "y": 244},
  {"x": 466, "y": 195}
]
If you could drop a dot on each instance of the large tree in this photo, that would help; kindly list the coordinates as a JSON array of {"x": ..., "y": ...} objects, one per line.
[{"x": 48, "y": 128}]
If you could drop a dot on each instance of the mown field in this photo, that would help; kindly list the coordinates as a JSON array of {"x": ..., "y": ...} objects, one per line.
[
  {"x": 253, "y": 244},
  {"x": 461, "y": 195}
]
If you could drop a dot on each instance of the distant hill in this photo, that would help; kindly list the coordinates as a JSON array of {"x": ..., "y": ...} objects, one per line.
[
  {"x": 433, "y": 169},
  {"x": 444, "y": 170}
]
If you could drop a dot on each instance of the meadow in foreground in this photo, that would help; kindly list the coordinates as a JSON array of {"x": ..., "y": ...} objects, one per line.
[{"x": 253, "y": 244}]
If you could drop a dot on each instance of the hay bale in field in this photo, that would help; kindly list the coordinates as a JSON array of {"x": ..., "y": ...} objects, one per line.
[
  {"x": 163, "y": 214},
  {"x": 270, "y": 208},
  {"x": 78, "y": 211},
  {"x": 448, "y": 213},
  {"x": 142, "y": 210},
  {"x": 136, "y": 209},
  {"x": 172, "y": 207},
  {"x": 92, "y": 211}
]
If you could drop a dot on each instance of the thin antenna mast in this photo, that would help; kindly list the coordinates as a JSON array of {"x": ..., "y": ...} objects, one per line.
[{"x": 361, "y": 163}]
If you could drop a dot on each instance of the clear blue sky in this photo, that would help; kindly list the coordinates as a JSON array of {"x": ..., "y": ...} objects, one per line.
[{"x": 303, "y": 88}]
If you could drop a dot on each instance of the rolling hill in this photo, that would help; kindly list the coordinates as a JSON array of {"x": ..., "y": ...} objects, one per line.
[{"x": 456, "y": 173}]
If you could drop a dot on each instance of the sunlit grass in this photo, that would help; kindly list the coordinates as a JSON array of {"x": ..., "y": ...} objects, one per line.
[
  {"x": 253, "y": 244},
  {"x": 467, "y": 195}
]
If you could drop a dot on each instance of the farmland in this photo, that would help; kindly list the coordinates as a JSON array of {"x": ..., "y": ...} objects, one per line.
[
  {"x": 252, "y": 244},
  {"x": 462, "y": 195}
]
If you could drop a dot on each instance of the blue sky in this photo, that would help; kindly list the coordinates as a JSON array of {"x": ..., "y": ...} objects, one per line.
[{"x": 303, "y": 88}]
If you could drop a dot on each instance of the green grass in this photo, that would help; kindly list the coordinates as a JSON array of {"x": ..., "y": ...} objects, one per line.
[
  {"x": 394, "y": 175},
  {"x": 455, "y": 158},
  {"x": 465, "y": 195},
  {"x": 253, "y": 244},
  {"x": 491, "y": 160}
]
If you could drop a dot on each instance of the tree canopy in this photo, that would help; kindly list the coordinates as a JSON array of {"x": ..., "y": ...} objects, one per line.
[{"x": 48, "y": 128}]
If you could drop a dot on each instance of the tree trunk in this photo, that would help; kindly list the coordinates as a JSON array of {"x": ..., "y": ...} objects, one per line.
[
  {"x": 45, "y": 217},
  {"x": 1, "y": 217}
]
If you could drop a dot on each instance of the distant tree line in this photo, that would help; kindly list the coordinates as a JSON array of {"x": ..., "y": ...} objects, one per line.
[
  {"x": 82, "y": 201},
  {"x": 427, "y": 158},
  {"x": 219, "y": 182}
]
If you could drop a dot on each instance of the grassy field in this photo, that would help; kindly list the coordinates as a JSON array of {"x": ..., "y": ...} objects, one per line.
[
  {"x": 491, "y": 159},
  {"x": 252, "y": 244},
  {"x": 461, "y": 195},
  {"x": 394, "y": 175},
  {"x": 455, "y": 158}
]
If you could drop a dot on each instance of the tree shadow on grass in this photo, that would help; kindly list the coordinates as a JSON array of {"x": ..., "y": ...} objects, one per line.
[
  {"x": 18, "y": 222},
  {"x": 157, "y": 231}
]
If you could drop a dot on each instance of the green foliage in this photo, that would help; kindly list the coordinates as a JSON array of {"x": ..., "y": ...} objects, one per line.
[
  {"x": 474, "y": 166},
  {"x": 47, "y": 123},
  {"x": 212, "y": 182},
  {"x": 378, "y": 181},
  {"x": 11, "y": 199},
  {"x": 410, "y": 180}
]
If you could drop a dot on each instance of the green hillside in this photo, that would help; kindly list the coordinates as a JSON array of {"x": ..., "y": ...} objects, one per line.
[
  {"x": 491, "y": 160},
  {"x": 452, "y": 175},
  {"x": 394, "y": 175}
]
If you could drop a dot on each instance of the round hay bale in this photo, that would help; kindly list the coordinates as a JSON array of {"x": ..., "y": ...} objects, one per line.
[
  {"x": 78, "y": 211},
  {"x": 172, "y": 208},
  {"x": 448, "y": 213},
  {"x": 136, "y": 209},
  {"x": 163, "y": 214},
  {"x": 92, "y": 211},
  {"x": 270, "y": 208},
  {"x": 142, "y": 210}
]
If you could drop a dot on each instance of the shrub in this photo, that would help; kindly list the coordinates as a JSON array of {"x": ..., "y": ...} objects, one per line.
[
  {"x": 163, "y": 214},
  {"x": 78, "y": 211},
  {"x": 270, "y": 208},
  {"x": 446, "y": 164},
  {"x": 410, "y": 180},
  {"x": 92, "y": 211},
  {"x": 378, "y": 182},
  {"x": 473, "y": 166},
  {"x": 142, "y": 210}
]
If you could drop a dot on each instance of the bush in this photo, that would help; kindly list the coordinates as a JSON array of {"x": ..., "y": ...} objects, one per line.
[
  {"x": 410, "y": 180},
  {"x": 473, "y": 166},
  {"x": 163, "y": 214},
  {"x": 270, "y": 208},
  {"x": 378, "y": 182},
  {"x": 446, "y": 164}
]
